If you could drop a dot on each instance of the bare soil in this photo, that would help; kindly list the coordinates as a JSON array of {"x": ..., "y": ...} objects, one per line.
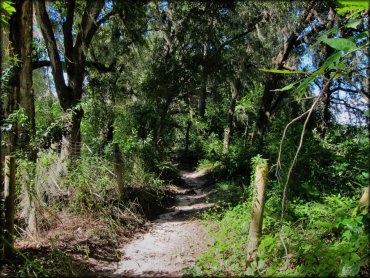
[
  {"x": 80, "y": 245},
  {"x": 175, "y": 239}
]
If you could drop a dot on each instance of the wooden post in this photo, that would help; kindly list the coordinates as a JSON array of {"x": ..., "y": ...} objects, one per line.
[
  {"x": 363, "y": 204},
  {"x": 9, "y": 195},
  {"x": 118, "y": 167},
  {"x": 255, "y": 228}
]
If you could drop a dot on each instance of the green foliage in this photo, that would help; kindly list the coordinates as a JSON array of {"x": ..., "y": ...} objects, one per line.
[
  {"x": 89, "y": 191},
  {"x": 6, "y": 10},
  {"x": 226, "y": 257},
  {"x": 7, "y": 77},
  {"x": 322, "y": 238},
  {"x": 348, "y": 52}
]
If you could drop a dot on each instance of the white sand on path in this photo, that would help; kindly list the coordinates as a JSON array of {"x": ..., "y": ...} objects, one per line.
[{"x": 173, "y": 241}]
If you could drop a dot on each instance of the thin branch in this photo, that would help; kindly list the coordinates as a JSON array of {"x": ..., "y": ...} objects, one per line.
[
  {"x": 339, "y": 101},
  {"x": 106, "y": 17},
  {"x": 308, "y": 112},
  {"x": 362, "y": 92},
  {"x": 88, "y": 23},
  {"x": 339, "y": 88},
  {"x": 251, "y": 28},
  {"x": 91, "y": 64}
]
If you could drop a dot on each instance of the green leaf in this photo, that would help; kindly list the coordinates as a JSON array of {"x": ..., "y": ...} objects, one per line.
[
  {"x": 351, "y": 3},
  {"x": 344, "y": 10},
  {"x": 353, "y": 23},
  {"x": 287, "y": 87},
  {"x": 329, "y": 63},
  {"x": 340, "y": 44},
  {"x": 6, "y": 5},
  {"x": 362, "y": 35},
  {"x": 284, "y": 71},
  {"x": 350, "y": 269},
  {"x": 304, "y": 85}
]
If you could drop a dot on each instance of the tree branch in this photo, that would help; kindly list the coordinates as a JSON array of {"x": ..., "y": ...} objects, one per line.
[
  {"x": 339, "y": 88},
  {"x": 88, "y": 23},
  {"x": 91, "y": 64},
  {"x": 251, "y": 27},
  {"x": 339, "y": 101},
  {"x": 106, "y": 17},
  {"x": 51, "y": 45},
  {"x": 360, "y": 91},
  {"x": 67, "y": 33}
]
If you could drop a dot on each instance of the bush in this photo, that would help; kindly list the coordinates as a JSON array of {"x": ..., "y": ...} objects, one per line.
[{"x": 322, "y": 238}]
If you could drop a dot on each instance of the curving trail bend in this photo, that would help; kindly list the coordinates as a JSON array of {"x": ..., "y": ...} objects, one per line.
[{"x": 175, "y": 239}]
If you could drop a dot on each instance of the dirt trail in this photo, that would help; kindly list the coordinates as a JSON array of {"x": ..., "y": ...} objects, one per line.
[{"x": 175, "y": 239}]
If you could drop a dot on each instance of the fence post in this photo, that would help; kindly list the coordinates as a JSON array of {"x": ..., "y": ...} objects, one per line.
[
  {"x": 9, "y": 196},
  {"x": 258, "y": 204}
]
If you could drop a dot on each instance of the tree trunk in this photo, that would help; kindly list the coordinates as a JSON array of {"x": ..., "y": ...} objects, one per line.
[
  {"x": 25, "y": 36},
  {"x": 255, "y": 228},
  {"x": 118, "y": 167},
  {"x": 204, "y": 84},
  {"x": 75, "y": 51},
  {"x": 117, "y": 161},
  {"x": 158, "y": 131},
  {"x": 71, "y": 141},
  {"x": 9, "y": 202},
  {"x": 21, "y": 36},
  {"x": 268, "y": 97},
  {"x": 235, "y": 88},
  {"x": 202, "y": 102},
  {"x": 2, "y": 54},
  {"x": 187, "y": 137},
  {"x": 324, "y": 104}
]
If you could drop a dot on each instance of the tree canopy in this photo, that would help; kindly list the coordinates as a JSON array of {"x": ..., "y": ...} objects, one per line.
[{"x": 102, "y": 100}]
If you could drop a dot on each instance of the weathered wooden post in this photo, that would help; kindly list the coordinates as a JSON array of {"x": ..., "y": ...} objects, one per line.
[
  {"x": 118, "y": 167},
  {"x": 9, "y": 196},
  {"x": 363, "y": 204},
  {"x": 259, "y": 187}
]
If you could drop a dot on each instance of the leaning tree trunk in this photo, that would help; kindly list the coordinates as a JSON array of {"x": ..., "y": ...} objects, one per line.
[
  {"x": 255, "y": 228},
  {"x": 271, "y": 99}
]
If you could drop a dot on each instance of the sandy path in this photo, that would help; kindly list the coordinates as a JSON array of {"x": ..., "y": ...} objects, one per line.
[{"x": 173, "y": 241}]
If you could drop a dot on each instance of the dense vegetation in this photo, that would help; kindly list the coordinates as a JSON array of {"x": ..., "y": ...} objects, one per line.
[{"x": 100, "y": 98}]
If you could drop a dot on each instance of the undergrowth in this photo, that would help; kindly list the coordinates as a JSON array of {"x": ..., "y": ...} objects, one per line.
[
  {"x": 79, "y": 213},
  {"x": 323, "y": 238}
]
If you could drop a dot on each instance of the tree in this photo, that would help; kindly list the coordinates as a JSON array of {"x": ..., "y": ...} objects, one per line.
[
  {"x": 21, "y": 30},
  {"x": 6, "y": 10},
  {"x": 77, "y": 37}
]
